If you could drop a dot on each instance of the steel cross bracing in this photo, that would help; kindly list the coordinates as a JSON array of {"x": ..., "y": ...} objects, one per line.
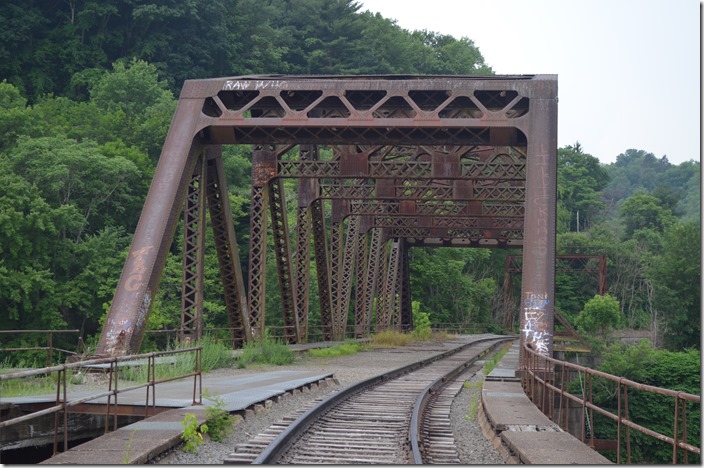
[{"x": 407, "y": 161}]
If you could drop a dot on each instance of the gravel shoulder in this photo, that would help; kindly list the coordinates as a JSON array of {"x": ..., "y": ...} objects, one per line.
[{"x": 347, "y": 370}]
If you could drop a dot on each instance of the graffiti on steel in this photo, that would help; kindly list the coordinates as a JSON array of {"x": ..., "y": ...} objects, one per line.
[{"x": 534, "y": 331}]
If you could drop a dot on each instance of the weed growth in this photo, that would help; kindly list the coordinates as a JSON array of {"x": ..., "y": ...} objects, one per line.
[
  {"x": 345, "y": 349},
  {"x": 391, "y": 338},
  {"x": 127, "y": 454},
  {"x": 265, "y": 351},
  {"x": 192, "y": 433},
  {"x": 490, "y": 364},
  {"x": 219, "y": 421}
]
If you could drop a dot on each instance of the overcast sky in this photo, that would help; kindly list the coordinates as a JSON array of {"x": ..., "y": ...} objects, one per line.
[{"x": 628, "y": 70}]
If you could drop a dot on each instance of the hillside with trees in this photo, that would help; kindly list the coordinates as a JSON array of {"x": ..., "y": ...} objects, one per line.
[{"x": 87, "y": 92}]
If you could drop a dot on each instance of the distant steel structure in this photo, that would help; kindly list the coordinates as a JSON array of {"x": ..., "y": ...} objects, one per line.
[{"x": 460, "y": 161}]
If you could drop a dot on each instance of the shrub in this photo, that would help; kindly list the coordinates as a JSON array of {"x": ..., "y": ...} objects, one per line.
[
  {"x": 192, "y": 433},
  {"x": 266, "y": 351},
  {"x": 219, "y": 421},
  {"x": 421, "y": 323}
]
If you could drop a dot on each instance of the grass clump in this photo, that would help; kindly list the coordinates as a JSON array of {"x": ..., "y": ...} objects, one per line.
[
  {"x": 214, "y": 355},
  {"x": 442, "y": 335},
  {"x": 41, "y": 384},
  {"x": 490, "y": 364},
  {"x": 265, "y": 351},
  {"x": 346, "y": 349},
  {"x": 476, "y": 388},
  {"x": 391, "y": 338}
]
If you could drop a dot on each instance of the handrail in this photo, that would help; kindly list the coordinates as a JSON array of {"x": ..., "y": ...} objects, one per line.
[
  {"x": 50, "y": 346},
  {"x": 62, "y": 404},
  {"x": 538, "y": 377}
]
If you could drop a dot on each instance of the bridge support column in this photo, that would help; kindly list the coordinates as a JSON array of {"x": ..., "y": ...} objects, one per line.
[
  {"x": 126, "y": 321},
  {"x": 538, "y": 286}
]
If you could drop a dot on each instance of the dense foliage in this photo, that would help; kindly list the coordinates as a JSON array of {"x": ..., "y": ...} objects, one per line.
[
  {"x": 87, "y": 95},
  {"x": 678, "y": 371}
]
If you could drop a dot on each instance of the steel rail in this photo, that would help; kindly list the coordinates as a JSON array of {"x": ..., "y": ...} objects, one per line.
[
  {"x": 285, "y": 439},
  {"x": 428, "y": 393}
]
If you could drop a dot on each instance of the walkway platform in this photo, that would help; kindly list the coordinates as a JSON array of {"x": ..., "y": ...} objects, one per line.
[
  {"x": 139, "y": 442},
  {"x": 529, "y": 435}
]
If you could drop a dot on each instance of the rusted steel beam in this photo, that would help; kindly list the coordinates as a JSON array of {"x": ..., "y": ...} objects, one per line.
[
  {"x": 323, "y": 268},
  {"x": 346, "y": 272},
  {"x": 302, "y": 270},
  {"x": 193, "y": 257},
  {"x": 360, "y": 299},
  {"x": 279, "y": 228},
  {"x": 227, "y": 250},
  {"x": 371, "y": 278},
  {"x": 261, "y": 159},
  {"x": 385, "y": 312},
  {"x": 505, "y": 163},
  {"x": 307, "y": 192},
  {"x": 405, "y": 288},
  {"x": 127, "y": 317},
  {"x": 336, "y": 246}
]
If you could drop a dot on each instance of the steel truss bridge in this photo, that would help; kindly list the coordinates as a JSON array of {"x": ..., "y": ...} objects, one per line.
[{"x": 459, "y": 161}]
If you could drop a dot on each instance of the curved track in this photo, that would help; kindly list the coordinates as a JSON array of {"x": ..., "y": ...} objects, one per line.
[{"x": 389, "y": 419}]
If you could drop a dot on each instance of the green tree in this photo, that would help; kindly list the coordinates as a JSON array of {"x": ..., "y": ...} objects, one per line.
[
  {"x": 599, "y": 316},
  {"x": 450, "y": 284},
  {"x": 14, "y": 114},
  {"x": 77, "y": 174},
  {"x": 676, "y": 278},
  {"x": 644, "y": 211},
  {"x": 580, "y": 179}
]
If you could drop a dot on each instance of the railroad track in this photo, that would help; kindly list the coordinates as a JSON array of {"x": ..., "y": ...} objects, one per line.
[{"x": 394, "y": 418}]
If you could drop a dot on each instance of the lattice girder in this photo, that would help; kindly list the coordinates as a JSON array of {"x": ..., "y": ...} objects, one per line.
[
  {"x": 227, "y": 249},
  {"x": 193, "y": 257}
]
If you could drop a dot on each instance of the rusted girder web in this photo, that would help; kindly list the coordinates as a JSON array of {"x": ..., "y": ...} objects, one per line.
[{"x": 430, "y": 161}]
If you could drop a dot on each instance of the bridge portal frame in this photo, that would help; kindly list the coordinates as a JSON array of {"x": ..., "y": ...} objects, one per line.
[{"x": 449, "y": 120}]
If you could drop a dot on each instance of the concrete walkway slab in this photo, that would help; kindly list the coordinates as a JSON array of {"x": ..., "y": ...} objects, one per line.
[{"x": 527, "y": 433}]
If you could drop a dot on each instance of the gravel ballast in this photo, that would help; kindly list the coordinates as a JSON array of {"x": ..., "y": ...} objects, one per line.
[{"x": 473, "y": 447}]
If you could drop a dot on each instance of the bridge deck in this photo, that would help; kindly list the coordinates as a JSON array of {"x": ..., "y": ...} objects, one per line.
[{"x": 529, "y": 435}]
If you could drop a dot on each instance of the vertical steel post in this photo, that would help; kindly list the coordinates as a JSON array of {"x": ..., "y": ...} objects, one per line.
[
  {"x": 346, "y": 274},
  {"x": 227, "y": 249},
  {"x": 193, "y": 256},
  {"x": 405, "y": 287},
  {"x": 538, "y": 285},
  {"x": 263, "y": 168},
  {"x": 322, "y": 265},
  {"x": 360, "y": 300},
  {"x": 371, "y": 279},
  {"x": 279, "y": 227},
  {"x": 308, "y": 191},
  {"x": 336, "y": 233},
  {"x": 302, "y": 270}
]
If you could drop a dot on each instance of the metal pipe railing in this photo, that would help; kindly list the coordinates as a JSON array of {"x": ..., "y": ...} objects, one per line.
[
  {"x": 538, "y": 378},
  {"x": 50, "y": 342},
  {"x": 62, "y": 404}
]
